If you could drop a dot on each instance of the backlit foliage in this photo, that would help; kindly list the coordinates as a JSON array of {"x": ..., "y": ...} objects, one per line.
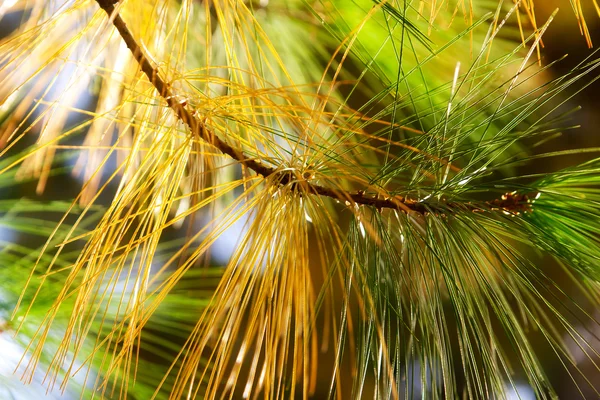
[{"x": 431, "y": 106}]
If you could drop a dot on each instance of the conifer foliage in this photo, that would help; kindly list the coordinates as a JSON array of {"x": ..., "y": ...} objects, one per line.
[{"x": 372, "y": 152}]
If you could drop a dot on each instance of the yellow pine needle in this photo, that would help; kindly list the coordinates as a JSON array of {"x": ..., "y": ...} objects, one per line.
[{"x": 261, "y": 327}]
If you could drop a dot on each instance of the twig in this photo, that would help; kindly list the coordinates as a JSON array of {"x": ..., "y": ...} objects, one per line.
[{"x": 511, "y": 203}]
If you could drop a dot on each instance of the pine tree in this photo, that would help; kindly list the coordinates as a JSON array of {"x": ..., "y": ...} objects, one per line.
[{"x": 371, "y": 153}]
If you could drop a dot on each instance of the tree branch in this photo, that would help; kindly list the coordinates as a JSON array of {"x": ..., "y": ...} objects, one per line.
[{"x": 512, "y": 203}]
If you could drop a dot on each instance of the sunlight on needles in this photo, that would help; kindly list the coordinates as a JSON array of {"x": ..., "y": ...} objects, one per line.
[{"x": 375, "y": 176}]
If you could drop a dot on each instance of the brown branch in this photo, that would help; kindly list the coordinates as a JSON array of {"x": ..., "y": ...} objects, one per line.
[{"x": 511, "y": 203}]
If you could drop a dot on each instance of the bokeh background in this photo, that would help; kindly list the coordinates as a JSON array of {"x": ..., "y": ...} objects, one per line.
[{"x": 561, "y": 38}]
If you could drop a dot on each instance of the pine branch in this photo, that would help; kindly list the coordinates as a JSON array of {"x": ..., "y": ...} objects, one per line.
[
  {"x": 447, "y": 298},
  {"x": 512, "y": 203}
]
